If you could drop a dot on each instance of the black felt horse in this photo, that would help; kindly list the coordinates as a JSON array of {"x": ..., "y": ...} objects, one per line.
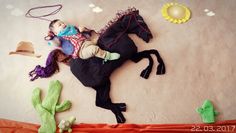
[{"x": 93, "y": 72}]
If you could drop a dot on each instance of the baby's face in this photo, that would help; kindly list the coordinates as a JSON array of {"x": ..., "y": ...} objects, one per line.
[{"x": 58, "y": 26}]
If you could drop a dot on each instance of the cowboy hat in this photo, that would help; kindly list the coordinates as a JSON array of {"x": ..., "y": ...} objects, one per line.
[{"x": 25, "y": 48}]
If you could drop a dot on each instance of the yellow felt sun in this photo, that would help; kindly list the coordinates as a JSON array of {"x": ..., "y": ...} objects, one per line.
[{"x": 175, "y": 13}]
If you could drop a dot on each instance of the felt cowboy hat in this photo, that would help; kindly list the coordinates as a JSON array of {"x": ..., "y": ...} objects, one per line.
[{"x": 25, "y": 48}]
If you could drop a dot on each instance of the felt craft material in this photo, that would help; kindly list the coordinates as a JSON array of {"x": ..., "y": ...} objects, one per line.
[
  {"x": 66, "y": 45},
  {"x": 207, "y": 112},
  {"x": 82, "y": 47},
  {"x": 10, "y": 126},
  {"x": 68, "y": 31},
  {"x": 49, "y": 106},
  {"x": 114, "y": 37},
  {"x": 25, "y": 48},
  {"x": 51, "y": 65},
  {"x": 42, "y": 17},
  {"x": 111, "y": 56},
  {"x": 209, "y": 13},
  {"x": 175, "y": 13},
  {"x": 54, "y": 41},
  {"x": 97, "y": 9},
  {"x": 66, "y": 125},
  {"x": 77, "y": 40}
]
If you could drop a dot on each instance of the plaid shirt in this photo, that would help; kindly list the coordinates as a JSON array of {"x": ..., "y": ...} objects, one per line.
[{"x": 77, "y": 40}]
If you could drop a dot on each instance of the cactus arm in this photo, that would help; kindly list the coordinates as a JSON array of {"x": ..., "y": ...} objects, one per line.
[
  {"x": 199, "y": 110},
  {"x": 63, "y": 106},
  {"x": 36, "y": 98},
  {"x": 216, "y": 112}
]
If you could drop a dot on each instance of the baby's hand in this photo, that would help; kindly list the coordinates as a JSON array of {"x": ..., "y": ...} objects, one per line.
[
  {"x": 50, "y": 36},
  {"x": 55, "y": 42},
  {"x": 94, "y": 37},
  {"x": 81, "y": 29}
]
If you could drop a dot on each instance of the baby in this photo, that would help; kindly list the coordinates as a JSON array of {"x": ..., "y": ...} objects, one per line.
[{"x": 82, "y": 47}]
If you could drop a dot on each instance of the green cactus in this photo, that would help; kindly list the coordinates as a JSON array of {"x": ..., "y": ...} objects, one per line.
[
  {"x": 49, "y": 106},
  {"x": 207, "y": 112}
]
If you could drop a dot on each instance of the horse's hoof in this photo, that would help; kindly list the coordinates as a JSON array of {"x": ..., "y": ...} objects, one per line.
[
  {"x": 120, "y": 119},
  {"x": 161, "y": 69},
  {"x": 145, "y": 73}
]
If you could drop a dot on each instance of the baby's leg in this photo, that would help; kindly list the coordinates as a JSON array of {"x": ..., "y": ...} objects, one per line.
[{"x": 90, "y": 50}]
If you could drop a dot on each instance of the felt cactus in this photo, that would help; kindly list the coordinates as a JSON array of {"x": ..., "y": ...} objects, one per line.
[
  {"x": 207, "y": 112},
  {"x": 65, "y": 125},
  {"x": 49, "y": 106}
]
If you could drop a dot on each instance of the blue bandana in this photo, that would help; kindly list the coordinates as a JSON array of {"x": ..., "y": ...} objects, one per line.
[{"x": 69, "y": 30}]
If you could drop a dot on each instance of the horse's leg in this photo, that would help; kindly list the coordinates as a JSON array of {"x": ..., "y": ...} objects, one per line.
[
  {"x": 139, "y": 56},
  {"x": 147, "y": 54},
  {"x": 134, "y": 23},
  {"x": 122, "y": 106},
  {"x": 103, "y": 100},
  {"x": 106, "y": 101},
  {"x": 161, "y": 67}
]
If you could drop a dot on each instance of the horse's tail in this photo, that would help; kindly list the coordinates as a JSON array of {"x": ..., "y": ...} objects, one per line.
[{"x": 51, "y": 65}]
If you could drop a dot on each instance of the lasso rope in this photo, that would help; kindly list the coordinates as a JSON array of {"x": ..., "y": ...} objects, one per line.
[{"x": 42, "y": 17}]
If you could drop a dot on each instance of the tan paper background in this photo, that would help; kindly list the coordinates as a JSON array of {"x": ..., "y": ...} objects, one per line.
[{"x": 199, "y": 57}]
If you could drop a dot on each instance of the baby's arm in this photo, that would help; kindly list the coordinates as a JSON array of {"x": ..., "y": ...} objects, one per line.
[
  {"x": 93, "y": 35},
  {"x": 52, "y": 39},
  {"x": 55, "y": 42}
]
